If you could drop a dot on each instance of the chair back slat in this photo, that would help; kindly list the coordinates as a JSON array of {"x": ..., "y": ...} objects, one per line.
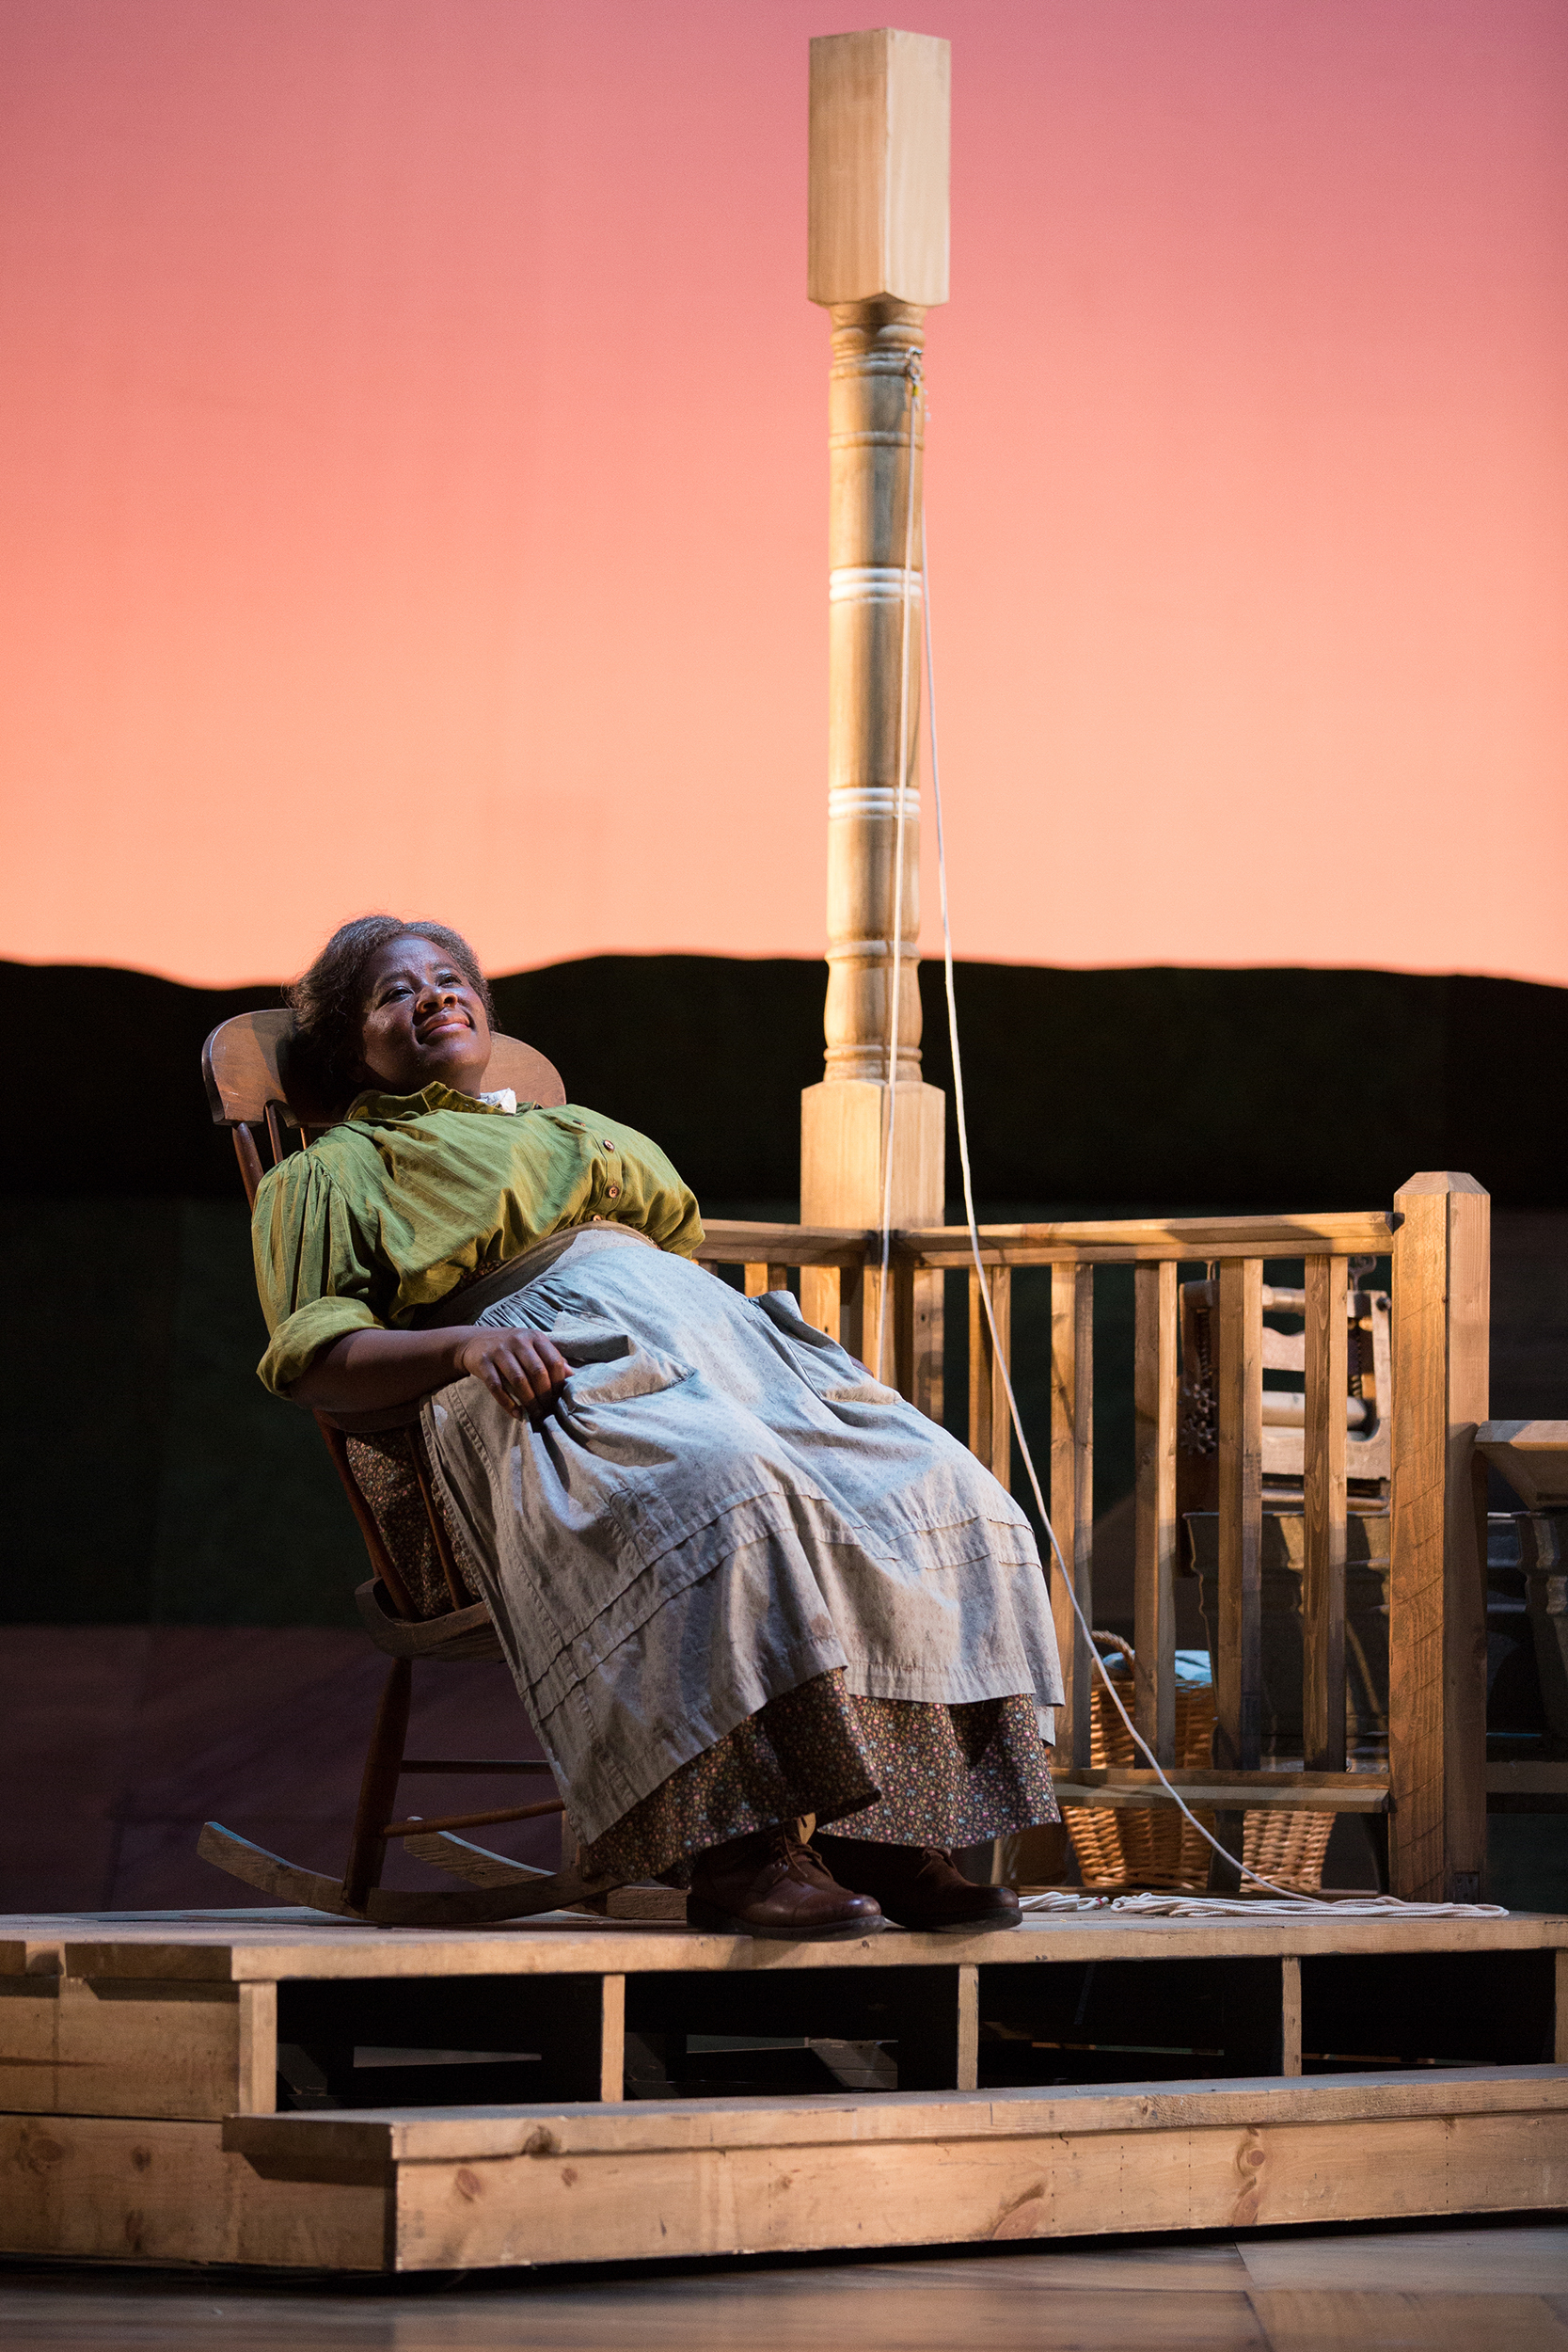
[{"x": 245, "y": 1063}]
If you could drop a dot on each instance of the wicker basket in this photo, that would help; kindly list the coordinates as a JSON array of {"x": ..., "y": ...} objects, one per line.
[{"x": 1154, "y": 1847}]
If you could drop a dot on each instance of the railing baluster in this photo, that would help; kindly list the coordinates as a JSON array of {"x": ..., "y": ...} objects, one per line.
[
  {"x": 925, "y": 1371},
  {"x": 819, "y": 1297},
  {"x": 756, "y": 1280},
  {"x": 873, "y": 1321},
  {"x": 1154, "y": 1527},
  {"x": 851, "y": 1310},
  {"x": 1323, "y": 1599},
  {"x": 1072, "y": 1488},
  {"x": 898, "y": 1347},
  {"x": 1238, "y": 1693},
  {"x": 990, "y": 1428}
]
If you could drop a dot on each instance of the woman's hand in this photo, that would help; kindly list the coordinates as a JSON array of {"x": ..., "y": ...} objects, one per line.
[{"x": 523, "y": 1370}]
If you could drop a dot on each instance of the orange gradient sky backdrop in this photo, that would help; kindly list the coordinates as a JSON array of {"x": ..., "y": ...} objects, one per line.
[{"x": 417, "y": 480}]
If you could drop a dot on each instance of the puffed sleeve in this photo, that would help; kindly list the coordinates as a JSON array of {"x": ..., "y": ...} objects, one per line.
[{"x": 315, "y": 1266}]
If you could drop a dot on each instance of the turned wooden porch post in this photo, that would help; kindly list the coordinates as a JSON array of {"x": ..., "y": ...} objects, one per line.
[{"x": 878, "y": 261}]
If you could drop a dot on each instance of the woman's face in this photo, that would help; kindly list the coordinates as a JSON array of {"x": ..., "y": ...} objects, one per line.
[{"x": 423, "y": 1021}]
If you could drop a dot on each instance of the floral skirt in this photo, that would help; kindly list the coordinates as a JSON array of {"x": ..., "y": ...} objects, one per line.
[{"x": 902, "y": 1770}]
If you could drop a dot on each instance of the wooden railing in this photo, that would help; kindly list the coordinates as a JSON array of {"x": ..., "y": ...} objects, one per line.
[{"x": 1437, "y": 1236}]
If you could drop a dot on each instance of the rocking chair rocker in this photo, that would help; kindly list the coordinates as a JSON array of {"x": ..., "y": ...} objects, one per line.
[{"x": 250, "y": 1085}]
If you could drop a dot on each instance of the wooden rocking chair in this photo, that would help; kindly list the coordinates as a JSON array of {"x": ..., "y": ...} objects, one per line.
[{"x": 250, "y": 1087}]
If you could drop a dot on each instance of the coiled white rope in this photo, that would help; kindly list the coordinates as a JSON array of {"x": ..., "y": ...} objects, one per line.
[{"x": 1152, "y": 1906}]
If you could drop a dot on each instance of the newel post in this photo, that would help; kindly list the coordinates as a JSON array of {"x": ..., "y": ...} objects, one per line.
[
  {"x": 1437, "y": 1575},
  {"x": 876, "y": 263}
]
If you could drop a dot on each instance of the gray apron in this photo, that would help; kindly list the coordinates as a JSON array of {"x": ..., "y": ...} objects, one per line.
[{"x": 721, "y": 1504}]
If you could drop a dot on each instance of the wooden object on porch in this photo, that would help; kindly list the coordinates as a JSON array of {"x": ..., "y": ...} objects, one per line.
[
  {"x": 1355, "y": 1354},
  {"x": 878, "y": 261},
  {"x": 253, "y": 1085},
  {"x": 1121, "y": 1846},
  {"x": 1532, "y": 1455}
]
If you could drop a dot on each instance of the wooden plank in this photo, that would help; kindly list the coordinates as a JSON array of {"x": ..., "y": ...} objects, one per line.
[
  {"x": 1073, "y": 1493},
  {"x": 732, "y": 1241},
  {"x": 1225, "y": 1795},
  {"x": 1533, "y": 1456},
  {"x": 916, "y": 1311},
  {"x": 990, "y": 1424},
  {"x": 929, "y": 1345},
  {"x": 1237, "y": 1687},
  {"x": 612, "y": 2038},
  {"x": 1323, "y": 1506},
  {"x": 73, "y": 2045},
  {"x": 317, "y": 1949},
  {"x": 1199, "y": 1778},
  {"x": 255, "y": 2090},
  {"x": 738, "y": 1241},
  {"x": 968, "y": 2068},
  {"x": 540, "y": 2186},
  {"x": 1155, "y": 1380},
  {"x": 1560, "y": 2010},
  {"x": 1437, "y": 1586},
  {"x": 851, "y": 1310},
  {"x": 325, "y": 2146},
  {"x": 120, "y": 2189},
  {"x": 1128, "y": 1240},
  {"x": 763, "y": 1275},
  {"x": 898, "y": 1340},
  {"x": 819, "y": 1297},
  {"x": 1290, "y": 2038},
  {"x": 729, "y": 2202}
]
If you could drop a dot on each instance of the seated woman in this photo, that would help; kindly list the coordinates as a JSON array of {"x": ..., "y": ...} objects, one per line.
[{"x": 738, "y": 1581}]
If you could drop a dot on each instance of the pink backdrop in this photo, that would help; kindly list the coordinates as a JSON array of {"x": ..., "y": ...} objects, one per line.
[{"x": 415, "y": 479}]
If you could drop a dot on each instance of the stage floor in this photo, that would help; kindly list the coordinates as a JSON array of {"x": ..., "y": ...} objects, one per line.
[{"x": 1444, "y": 2289}]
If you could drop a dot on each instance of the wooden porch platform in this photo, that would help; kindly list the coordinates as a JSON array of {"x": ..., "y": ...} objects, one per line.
[{"x": 280, "y": 2088}]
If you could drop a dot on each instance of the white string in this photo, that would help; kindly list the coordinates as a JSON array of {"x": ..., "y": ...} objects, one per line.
[
  {"x": 1383, "y": 1903},
  {"x": 911, "y": 374}
]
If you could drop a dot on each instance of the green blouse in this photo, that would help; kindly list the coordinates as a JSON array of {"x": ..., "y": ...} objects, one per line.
[{"x": 390, "y": 1210}]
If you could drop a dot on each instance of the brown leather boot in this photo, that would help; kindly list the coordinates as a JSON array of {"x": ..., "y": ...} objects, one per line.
[
  {"x": 769, "y": 1883},
  {"x": 919, "y": 1887}
]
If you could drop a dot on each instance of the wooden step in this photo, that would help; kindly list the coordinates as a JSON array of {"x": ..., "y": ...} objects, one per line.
[{"x": 725, "y": 2177}]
